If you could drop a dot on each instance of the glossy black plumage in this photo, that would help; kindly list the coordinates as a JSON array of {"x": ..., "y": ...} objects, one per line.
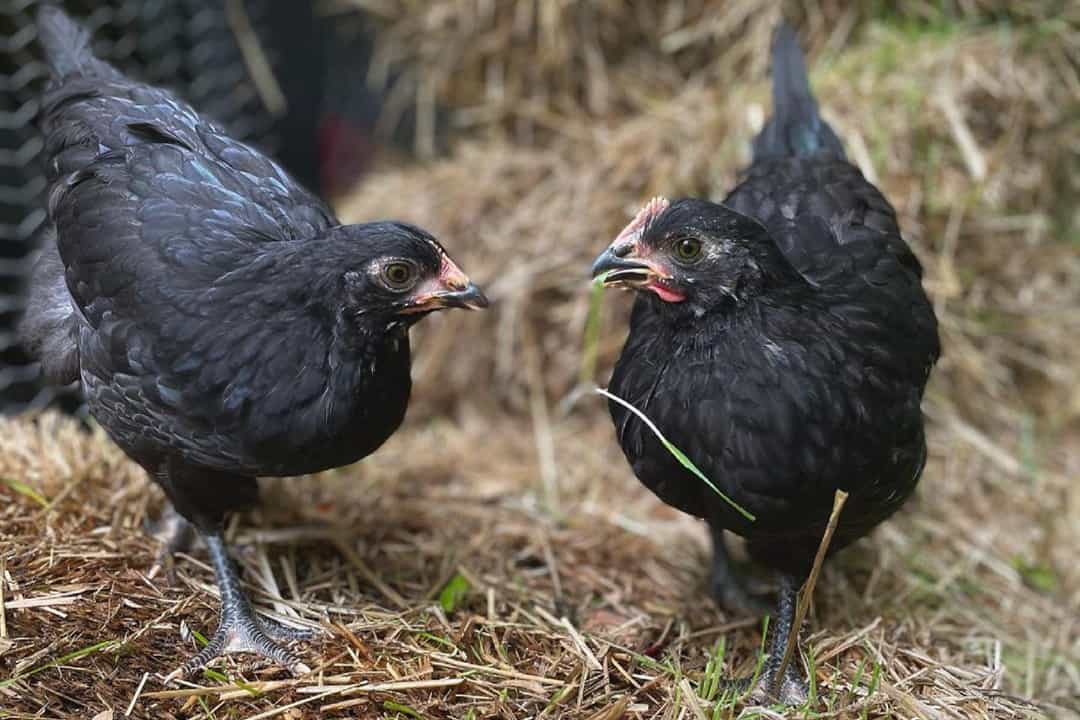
[
  {"x": 810, "y": 385},
  {"x": 222, "y": 323},
  {"x": 788, "y": 357}
]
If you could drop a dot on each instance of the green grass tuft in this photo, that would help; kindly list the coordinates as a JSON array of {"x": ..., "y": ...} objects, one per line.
[{"x": 454, "y": 593}]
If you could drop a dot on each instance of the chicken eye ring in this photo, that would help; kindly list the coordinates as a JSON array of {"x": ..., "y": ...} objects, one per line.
[
  {"x": 399, "y": 275},
  {"x": 693, "y": 246}
]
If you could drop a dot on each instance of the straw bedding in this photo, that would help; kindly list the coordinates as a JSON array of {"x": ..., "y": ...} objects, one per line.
[{"x": 581, "y": 596}]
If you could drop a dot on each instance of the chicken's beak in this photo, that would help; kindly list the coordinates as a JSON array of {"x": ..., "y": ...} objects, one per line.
[
  {"x": 619, "y": 267},
  {"x": 469, "y": 297},
  {"x": 451, "y": 289}
]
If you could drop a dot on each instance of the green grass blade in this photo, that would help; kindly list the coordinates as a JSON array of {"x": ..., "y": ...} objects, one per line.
[
  {"x": 400, "y": 708},
  {"x": 24, "y": 489},
  {"x": 75, "y": 655},
  {"x": 215, "y": 675},
  {"x": 438, "y": 640},
  {"x": 591, "y": 344},
  {"x": 199, "y": 638},
  {"x": 557, "y": 698},
  {"x": 712, "y": 679},
  {"x": 676, "y": 452}
]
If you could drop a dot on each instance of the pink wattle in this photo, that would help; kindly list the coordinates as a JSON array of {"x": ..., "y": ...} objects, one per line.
[{"x": 666, "y": 294}]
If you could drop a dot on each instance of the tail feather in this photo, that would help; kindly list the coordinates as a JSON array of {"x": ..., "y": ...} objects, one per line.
[
  {"x": 795, "y": 128},
  {"x": 67, "y": 45}
]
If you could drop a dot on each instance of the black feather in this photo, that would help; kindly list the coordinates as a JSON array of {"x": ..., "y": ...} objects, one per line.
[
  {"x": 796, "y": 127},
  {"x": 150, "y": 133}
]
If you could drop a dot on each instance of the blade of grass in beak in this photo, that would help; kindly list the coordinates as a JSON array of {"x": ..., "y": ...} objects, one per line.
[
  {"x": 592, "y": 330},
  {"x": 676, "y": 452}
]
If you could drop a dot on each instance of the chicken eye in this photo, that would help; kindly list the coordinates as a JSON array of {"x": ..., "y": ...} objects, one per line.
[
  {"x": 688, "y": 249},
  {"x": 399, "y": 275}
]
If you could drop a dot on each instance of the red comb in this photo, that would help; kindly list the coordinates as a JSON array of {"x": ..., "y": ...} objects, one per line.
[{"x": 652, "y": 208}]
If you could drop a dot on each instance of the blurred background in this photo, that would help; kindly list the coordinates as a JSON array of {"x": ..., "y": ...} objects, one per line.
[{"x": 524, "y": 134}]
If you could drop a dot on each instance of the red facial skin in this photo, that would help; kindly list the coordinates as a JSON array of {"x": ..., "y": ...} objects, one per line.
[
  {"x": 632, "y": 234},
  {"x": 451, "y": 276},
  {"x": 664, "y": 293}
]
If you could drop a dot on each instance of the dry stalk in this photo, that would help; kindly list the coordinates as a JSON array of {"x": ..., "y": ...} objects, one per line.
[{"x": 806, "y": 594}]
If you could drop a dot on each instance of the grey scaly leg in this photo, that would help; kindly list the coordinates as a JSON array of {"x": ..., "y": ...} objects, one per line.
[
  {"x": 176, "y": 535},
  {"x": 791, "y": 689},
  {"x": 239, "y": 629}
]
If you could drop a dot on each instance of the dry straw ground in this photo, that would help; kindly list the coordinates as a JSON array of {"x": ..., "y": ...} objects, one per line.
[{"x": 581, "y": 596}]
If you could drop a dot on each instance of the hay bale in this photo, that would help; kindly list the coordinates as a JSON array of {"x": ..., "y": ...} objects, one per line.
[
  {"x": 959, "y": 129},
  {"x": 517, "y": 68}
]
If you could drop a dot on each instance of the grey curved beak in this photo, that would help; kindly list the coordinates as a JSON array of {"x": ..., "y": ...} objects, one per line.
[
  {"x": 470, "y": 298},
  {"x": 616, "y": 268}
]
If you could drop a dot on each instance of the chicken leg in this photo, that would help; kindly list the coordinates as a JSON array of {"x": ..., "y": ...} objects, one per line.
[
  {"x": 176, "y": 534},
  {"x": 727, "y": 585},
  {"x": 791, "y": 687},
  {"x": 239, "y": 629}
]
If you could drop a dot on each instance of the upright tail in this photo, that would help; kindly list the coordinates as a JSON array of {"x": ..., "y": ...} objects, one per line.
[
  {"x": 796, "y": 127},
  {"x": 67, "y": 46}
]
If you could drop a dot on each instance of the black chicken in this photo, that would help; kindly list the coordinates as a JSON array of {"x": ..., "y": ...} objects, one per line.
[
  {"x": 223, "y": 325},
  {"x": 782, "y": 340}
]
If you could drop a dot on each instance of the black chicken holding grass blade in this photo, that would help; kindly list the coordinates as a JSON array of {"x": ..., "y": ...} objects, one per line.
[
  {"x": 224, "y": 326},
  {"x": 782, "y": 340}
]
